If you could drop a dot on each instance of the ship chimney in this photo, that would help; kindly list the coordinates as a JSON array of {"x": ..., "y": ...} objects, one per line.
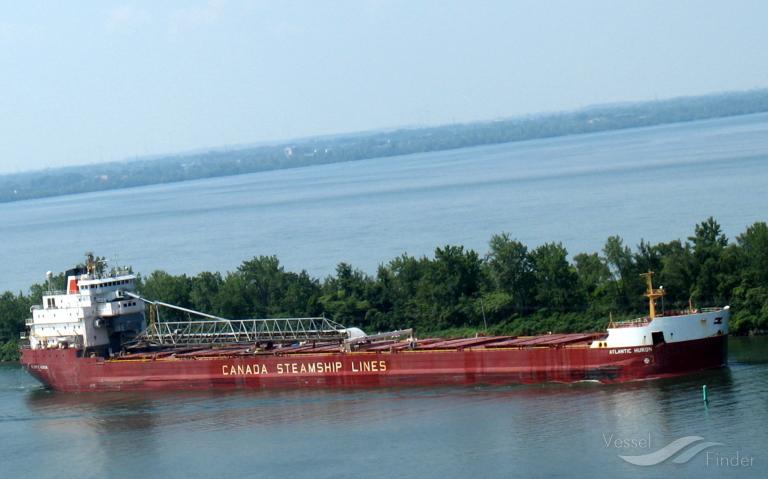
[{"x": 72, "y": 285}]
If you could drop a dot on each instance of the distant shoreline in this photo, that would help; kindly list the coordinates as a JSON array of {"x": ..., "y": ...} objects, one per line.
[{"x": 360, "y": 146}]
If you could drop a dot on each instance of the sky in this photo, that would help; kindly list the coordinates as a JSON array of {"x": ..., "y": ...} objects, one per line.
[{"x": 93, "y": 81}]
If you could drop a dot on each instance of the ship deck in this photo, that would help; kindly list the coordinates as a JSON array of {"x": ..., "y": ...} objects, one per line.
[{"x": 571, "y": 340}]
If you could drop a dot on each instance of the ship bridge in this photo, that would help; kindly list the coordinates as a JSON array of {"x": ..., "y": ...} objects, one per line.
[{"x": 92, "y": 314}]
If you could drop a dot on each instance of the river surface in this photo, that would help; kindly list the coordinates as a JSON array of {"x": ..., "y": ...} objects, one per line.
[
  {"x": 654, "y": 183},
  {"x": 550, "y": 430}
]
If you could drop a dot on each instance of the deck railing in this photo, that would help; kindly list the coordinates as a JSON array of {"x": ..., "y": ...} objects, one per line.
[{"x": 647, "y": 319}]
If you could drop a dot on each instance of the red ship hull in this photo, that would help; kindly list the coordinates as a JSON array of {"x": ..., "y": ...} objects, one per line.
[{"x": 63, "y": 369}]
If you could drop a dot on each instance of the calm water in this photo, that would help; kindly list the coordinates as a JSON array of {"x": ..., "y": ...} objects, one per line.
[
  {"x": 516, "y": 431},
  {"x": 653, "y": 183}
]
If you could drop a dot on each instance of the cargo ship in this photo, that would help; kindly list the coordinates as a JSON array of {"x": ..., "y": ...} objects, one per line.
[{"x": 100, "y": 335}]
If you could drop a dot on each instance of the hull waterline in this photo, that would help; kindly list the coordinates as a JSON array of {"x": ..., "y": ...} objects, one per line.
[{"x": 64, "y": 370}]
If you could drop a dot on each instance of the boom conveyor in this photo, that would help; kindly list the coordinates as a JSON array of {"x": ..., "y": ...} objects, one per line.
[{"x": 217, "y": 330}]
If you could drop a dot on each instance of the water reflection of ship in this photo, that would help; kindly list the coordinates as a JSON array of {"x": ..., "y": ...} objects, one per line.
[
  {"x": 531, "y": 415},
  {"x": 226, "y": 409},
  {"x": 104, "y": 413},
  {"x": 94, "y": 429}
]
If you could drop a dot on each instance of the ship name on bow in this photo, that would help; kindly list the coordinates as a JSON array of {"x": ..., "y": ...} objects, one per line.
[{"x": 645, "y": 349}]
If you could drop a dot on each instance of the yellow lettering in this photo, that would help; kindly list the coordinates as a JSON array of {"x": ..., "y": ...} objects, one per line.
[
  {"x": 338, "y": 367},
  {"x": 374, "y": 366},
  {"x": 279, "y": 368},
  {"x": 303, "y": 369},
  {"x": 294, "y": 368},
  {"x": 224, "y": 370},
  {"x": 382, "y": 365},
  {"x": 354, "y": 368},
  {"x": 240, "y": 369},
  {"x": 263, "y": 369},
  {"x": 366, "y": 366},
  {"x": 311, "y": 367},
  {"x": 248, "y": 369}
]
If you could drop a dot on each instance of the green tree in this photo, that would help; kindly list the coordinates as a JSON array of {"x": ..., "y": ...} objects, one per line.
[
  {"x": 265, "y": 285},
  {"x": 628, "y": 285},
  {"x": 450, "y": 287},
  {"x": 232, "y": 299},
  {"x": 594, "y": 279},
  {"x": 161, "y": 286},
  {"x": 709, "y": 243},
  {"x": 750, "y": 294},
  {"x": 13, "y": 312},
  {"x": 556, "y": 280},
  {"x": 346, "y": 296},
  {"x": 511, "y": 271},
  {"x": 677, "y": 273},
  {"x": 753, "y": 260},
  {"x": 204, "y": 288},
  {"x": 301, "y": 297},
  {"x": 400, "y": 292}
]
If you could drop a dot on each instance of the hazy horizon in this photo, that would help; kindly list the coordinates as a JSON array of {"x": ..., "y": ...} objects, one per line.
[
  {"x": 111, "y": 81},
  {"x": 280, "y": 141}
]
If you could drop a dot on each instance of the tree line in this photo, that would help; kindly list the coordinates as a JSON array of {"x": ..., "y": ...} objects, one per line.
[
  {"x": 512, "y": 289},
  {"x": 359, "y": 146}
]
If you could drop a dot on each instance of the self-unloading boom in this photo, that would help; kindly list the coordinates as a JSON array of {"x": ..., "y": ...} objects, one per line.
[{"x": 268, "y": 331}]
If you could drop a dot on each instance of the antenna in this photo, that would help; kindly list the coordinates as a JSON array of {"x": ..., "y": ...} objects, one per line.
[
  {"x": 661, "y": 288},
  {"x": 115, "y": 261},
  {"x": 651, "y": 293},
  {"x": 90, "y": 263}
]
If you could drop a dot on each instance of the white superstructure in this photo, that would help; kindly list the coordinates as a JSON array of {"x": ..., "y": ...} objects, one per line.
[
  {"x": 674, "y": 327},
  {"x": 92, "y": 314}
]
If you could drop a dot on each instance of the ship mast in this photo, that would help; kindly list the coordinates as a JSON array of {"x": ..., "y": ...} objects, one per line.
[
  {"x": 652, "y": 293},
  {"x": 90, "y": 264}
]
